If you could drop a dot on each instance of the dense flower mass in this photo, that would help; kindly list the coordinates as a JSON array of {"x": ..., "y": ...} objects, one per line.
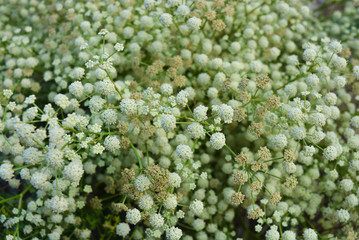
[{"x": 168, "y": 119}]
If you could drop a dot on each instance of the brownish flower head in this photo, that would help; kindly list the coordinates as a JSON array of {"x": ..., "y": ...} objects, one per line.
[
  {"x": 273, "y": 102},
  {"x": 291, "y": 182},
  {"x": 240, "y": 177},
  {"x": 263, "y": 80},
  {"x": 218, "y": 25},
  {"x": 264, "y": 154},
  {"x": 289, "y": 156},
  {"x": 237, "y": 198},
  {"x": 256, "y": 129},
  {"x": 275, "y": 198},
  {"x": 242, "y": 159}
]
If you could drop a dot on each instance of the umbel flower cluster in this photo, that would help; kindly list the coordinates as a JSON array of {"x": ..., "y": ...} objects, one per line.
[{"x": 191, "y": 120}]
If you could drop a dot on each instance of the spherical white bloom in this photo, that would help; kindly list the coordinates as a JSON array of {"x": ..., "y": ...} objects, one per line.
[
  {"x": 109, "y": 116},
  {"x": 105, "y": 87},
  {"x": 355, "y": 121},
  {"x": 39, "y": 180},
  {"x": 343, "y": 215},
  {"x": 309, "y": 55},
  {"x": 78, "y": 73},
  {"x": 347, "y": 185},
  {"x": 196, "y": 130},
  {"x": 59, "y": 204},
  {"x": 119, "y": 47},
  {"x": 96, "y": 103},
  {"x": 168, "y": 122},
  {"x": 142, "y": 183},
  {"x": 201, "y": 60},
  {"x": 194, "y": 23},
  {"x": 317, "y": 119},
  {"x": 272, "y": 234},
  {"x": 184, "y": 152},
  {"x": 340, "y": 82},
  {"x": 196, "y": 207},
  {"x": 76, "y": 89},
  {"x": 166, "y": 89},
  {"x": 62, "y": 101},
  {"x": 256, "y": 66},
  {"x": 133, "y": 216},
  {"x": 330, "y": 153},
  {"x": 298, "y": 133},
  {"x": 226, "y": 113},
  {"x": 149, "y": 4},
  {"x": 182, "y": 10},
  {"x": 352, "y": 200},
  {"x": 295, "y": 114},
  {"x": 166, "y": 19},
  {"x": 156, "y": 220},
  {"x": 6, "y": 171},
  {"x": 278, "y": 142},
  {"x": 74, "y": 171},
  {"x": 173, "y": 233},
  {"x": 174, "y": 180},
  {"x": 353, "y": 142},
  {"x": 339, "y": 62},
  {"x": 356, "y": 72},
  {"x": 335, "y": 47},
  {"x": 200, "y": 113},
  {"x": 170, "y": 202},
  {"x": 289, "y": 167},
  {"x": 123, "y": 229},
  {"x": 289, "y": 235},
  {"x": 330, "y": 99},
  {"x": 217, "y": 141},
  {"x": 128, "y": 106},
  {"x": 145, "y": 202},
  {"x": 54, "y": 157},
  {"x": 312, "y": 80},
  {"x": 310, "y": 234},
  {"x": 182, "y": 98},
  {"x": 112, "y": 143},
  {"x": 31, "y": 155}
]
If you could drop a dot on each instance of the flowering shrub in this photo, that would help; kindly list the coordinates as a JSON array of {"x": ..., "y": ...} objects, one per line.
[{"x": 179, "y": 120}]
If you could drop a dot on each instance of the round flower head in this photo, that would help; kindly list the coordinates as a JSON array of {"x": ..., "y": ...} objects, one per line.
[
  {"x": 173, "y": 233},
  {"x": 174, "y": 180},
  {"x": 310, "y": 234},
  {"x": 226, "y": 113},
  {"x": 6, "y": 171},
  {"x": 272, "y": 234},
  {"x": 330, "y": 153},
  {"x": 145, "y": 202},
  {"x": 170, "y": 202},
  {"x": 217, "y": 141},
  {"x": 133, "y": 216},
  {"x": 58, "y": 204},
  {"x": 335, "y": 47},
  {"x": 289, "y": 235},
  {"x": 196, "y": 130},
  {"x": 128, "y": 106},
  {"x": 184, "y": 152},
  {"x": 196, "y": 207},
  {"x": 156, "y": 220},
  {"x": 194, "y": 23},
  {"x": 168, "y": 122},
  {"x": 142, "y": 183},
  {"x": 166, "y": 19},
  {"x": 123, "y": 229},
  {"x": 200, "y": 113},
  {"x": 355, "y": 121}
]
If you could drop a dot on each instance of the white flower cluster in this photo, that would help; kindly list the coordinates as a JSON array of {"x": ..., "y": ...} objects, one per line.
[{"x": 179, "y": 120}]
